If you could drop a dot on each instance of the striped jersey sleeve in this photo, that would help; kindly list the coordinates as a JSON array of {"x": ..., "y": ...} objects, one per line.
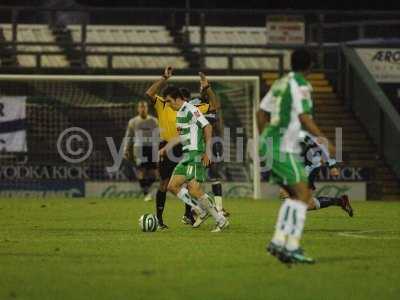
[{"x": 301, "y": 95}]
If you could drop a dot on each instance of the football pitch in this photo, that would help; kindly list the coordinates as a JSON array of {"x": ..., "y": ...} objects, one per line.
[{"x": 93, "y": 249}]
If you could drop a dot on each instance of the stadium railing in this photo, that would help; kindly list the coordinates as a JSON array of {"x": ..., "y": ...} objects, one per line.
[
  {"x": 317, "y": 21},
  {"x": 371, "y": 106},
  {"x": 38, "y": 56}
]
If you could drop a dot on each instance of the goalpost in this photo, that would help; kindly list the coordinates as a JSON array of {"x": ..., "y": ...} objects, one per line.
[{"x": 103, "y": 104}]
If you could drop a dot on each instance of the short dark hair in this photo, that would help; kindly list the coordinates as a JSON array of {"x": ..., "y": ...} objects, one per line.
[
  {"x": 301, "y": 60},
  {"x": 173, "y": 91},
  {"x": 185, "y": 93}
]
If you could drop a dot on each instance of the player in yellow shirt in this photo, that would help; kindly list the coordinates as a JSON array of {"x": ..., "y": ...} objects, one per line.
[{"x": 168, "y": 133}]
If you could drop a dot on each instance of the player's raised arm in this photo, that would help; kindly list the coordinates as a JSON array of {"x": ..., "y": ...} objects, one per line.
[
  {"x": 155, "y": 88},
  {"x": 207, "y": 92}
]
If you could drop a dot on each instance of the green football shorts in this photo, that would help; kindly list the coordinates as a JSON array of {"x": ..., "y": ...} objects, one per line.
[
  {"x": 286, "y": 168},
  {"x": 191, "y": 167}
]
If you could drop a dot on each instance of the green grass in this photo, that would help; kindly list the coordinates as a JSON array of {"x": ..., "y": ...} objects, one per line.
[{"x": 93, "y": 249}]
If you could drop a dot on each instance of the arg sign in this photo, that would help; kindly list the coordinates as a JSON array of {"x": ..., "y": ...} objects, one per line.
[{"x": 382, "y": 63}]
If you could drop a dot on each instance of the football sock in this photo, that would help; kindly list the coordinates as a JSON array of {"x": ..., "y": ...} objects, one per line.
[
  {"x": 282, "y": 226},
  {"x": 190, "y": 202},
  {"x": 189, "y": 213},
  {"x": 217, "y": 191},
  {"x": 160, "y": 203},
  {"x": 207, "y": 203},
  {"x": 327, "y": 201},
  {"x": 297, "y": 219}
]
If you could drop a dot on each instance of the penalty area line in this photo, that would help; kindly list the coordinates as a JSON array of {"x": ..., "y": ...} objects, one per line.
[{"x": 364, "y": 235}]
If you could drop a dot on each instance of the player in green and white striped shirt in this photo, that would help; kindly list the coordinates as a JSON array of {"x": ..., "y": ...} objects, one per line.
[
  {"x": 195, "y": 134},
  {"x": 288, "y": 108}
]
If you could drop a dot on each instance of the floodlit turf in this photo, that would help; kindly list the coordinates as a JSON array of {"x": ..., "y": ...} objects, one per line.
[{"x": 93, "y": 249}]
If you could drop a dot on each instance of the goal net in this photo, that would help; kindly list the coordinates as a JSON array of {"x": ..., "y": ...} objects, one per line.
[{"x": 102, "y": 107}]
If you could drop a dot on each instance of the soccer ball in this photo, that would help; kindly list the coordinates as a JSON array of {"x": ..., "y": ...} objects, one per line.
[{"x": 148, "y": 223}]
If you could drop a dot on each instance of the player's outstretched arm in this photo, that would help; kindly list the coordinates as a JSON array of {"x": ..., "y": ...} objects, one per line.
[
  {"x": 311, "y": 127},
  {"x": 207, "y": 91},
  {"x": 155, "y": 88}
]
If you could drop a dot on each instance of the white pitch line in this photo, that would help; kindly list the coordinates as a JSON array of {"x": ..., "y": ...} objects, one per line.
[{"x": 359, "y": 235}]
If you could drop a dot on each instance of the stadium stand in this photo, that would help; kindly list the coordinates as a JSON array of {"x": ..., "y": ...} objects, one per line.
[
  {"x": 7, "y": 55},
  {"x": 236, "y": 36},
  {"x": 110, "y": 39},
  {"x": 35, "y": 33},
  {"x": 108, "y": 34}
]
